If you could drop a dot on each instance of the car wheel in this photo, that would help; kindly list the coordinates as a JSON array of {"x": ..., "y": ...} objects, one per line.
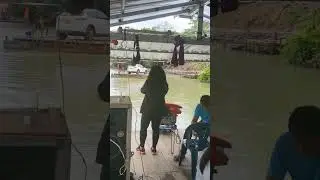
[{"x": 90, "y": 33}]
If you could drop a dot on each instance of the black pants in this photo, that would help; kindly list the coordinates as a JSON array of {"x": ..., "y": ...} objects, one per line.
[
  {"x": 184, "y": 149},
  {"x": 187, "y": 135},
  {"x": 104, "y": 174},
  {"x": 155, "y": 124}
]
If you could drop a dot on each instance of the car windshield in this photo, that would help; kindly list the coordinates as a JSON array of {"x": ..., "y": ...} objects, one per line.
[
  {"x": 91, "y": 13},
  {"x": 101, "y": 15}
]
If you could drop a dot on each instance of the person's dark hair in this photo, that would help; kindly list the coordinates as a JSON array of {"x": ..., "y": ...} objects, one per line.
[
  {"x": 205, "y": 100},
  {"x": 304, "y": 122},
  {"x": 157, "y": 76}
]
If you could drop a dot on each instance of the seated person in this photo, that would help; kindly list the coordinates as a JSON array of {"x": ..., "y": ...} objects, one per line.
[
  {"x": 202, "y": 110},
  {"x": 297, "y": 152},
  {"x": 188, "y": 134}
]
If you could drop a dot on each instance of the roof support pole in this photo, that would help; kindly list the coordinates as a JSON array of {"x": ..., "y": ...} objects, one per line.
[
  {"x": 200, "y": 20},
  {"x": 123, "y": 5}
]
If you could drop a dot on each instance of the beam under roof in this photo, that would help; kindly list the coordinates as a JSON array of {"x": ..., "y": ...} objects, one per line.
[
  {"x": 146, "y": 18},
  {"x": 155, "y": 9},
  {"x": 157, "y": 38},
  {"x": 134, "y": 5}
]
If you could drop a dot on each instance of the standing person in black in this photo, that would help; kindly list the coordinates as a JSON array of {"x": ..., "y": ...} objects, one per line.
[
  {"x": 103, "y": 146},
  {"x": 153, "y": 107}
]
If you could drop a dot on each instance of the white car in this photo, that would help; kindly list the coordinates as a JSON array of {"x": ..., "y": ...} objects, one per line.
[
  {"x": 138, "y": 68},
  {"x": 89, "y": 23}
]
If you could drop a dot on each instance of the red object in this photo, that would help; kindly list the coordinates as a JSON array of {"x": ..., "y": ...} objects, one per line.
[
  {"x": 114, "y": 41},
  {"x": 174, "y": 108},
  {"x": 218, "y": 142},
  {"x": 213, "y": 151}
]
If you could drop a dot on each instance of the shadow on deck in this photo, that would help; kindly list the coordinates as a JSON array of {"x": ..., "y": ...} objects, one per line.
[
  {"x": 161, "y": 166},
  {"x": 153, "y": 167}
]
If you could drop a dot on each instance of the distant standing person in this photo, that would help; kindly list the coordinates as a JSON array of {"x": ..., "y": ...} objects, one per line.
[
  {"x": 153, "y": 107},
  {"x": 297, "y": 152}
]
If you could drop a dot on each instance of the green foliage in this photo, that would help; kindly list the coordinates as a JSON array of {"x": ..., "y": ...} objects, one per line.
[
  {"x": 297, "y": 14},
  {"x": 303, "y": 48},
  {"x": 153, "y": 30},
  {"x": 192, "y": 31},
  {"x": 204, "y": 76}
]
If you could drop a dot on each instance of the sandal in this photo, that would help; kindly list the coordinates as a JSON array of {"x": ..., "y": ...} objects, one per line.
[
  {"x": 153, "y": 151},
  {"x": 178, "y": 158},
  {"x": 141, "y": 150}
]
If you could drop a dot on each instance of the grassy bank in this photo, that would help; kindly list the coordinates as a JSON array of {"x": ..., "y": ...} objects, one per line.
[
  {"x": 192, "y": 70},
  {"x": 266, "y": 16},
  {"x": 267, "y": 21},
  {"x": 303, "y": 47}
]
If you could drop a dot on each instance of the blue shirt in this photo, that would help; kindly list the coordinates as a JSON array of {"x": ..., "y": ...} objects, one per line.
[
  {"x": 287, "y": 159},
  {"x": 201, "y": 112}
]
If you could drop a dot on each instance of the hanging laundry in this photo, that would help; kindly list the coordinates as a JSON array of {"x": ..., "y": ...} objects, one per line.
[
  {"x": 114, "y": 41},
  {"x": 178, "y": 58},
  {"x": 136, "y": 59}
]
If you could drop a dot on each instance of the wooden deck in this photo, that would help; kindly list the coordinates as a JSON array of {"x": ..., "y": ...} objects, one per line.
[
  {"x": 153, "y": 167},
  {"x": 161, "y": 166}
]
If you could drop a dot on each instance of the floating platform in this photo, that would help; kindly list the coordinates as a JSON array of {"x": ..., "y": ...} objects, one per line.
[
  {"x": 53, "y": 45},
  {"x": 131, "y": 75},
  {"x": 266, "y": 46}
]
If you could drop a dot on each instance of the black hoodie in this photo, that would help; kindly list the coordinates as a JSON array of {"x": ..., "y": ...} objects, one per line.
[
  {"x": 103, "y": 146},
  {"x": 104, "y": 88}
]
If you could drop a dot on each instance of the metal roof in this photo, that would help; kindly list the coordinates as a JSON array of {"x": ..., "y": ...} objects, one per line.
[
  {"x": 37, "y": 4},
  {"x": 132, "y": 11}
]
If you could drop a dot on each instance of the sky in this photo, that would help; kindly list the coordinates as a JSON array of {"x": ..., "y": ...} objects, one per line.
[{"x": 178, "y": 24}]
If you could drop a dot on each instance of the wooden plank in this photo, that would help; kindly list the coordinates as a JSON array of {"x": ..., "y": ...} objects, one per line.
[
  {"x": 160, "y": 166},
  {"x": 143, "y": 37},
  {"x": 156, "y": 51},
  {"x": 157, "y": 38},
  {"x": 154, "y": 163}
]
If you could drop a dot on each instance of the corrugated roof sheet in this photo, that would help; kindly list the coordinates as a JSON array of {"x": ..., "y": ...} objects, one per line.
[{"x": 130, "y": 11}]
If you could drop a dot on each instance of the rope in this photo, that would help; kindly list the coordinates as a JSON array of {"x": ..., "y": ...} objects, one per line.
[{"x": 63, "y": 103}]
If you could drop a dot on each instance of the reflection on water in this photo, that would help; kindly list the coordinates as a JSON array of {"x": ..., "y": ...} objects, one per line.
[
  {"x": 253, "y": 100},
  {"x": 182, "y": 91},
  {"x": 28, "y": 79},
  {"x": 26, "y": 75}
]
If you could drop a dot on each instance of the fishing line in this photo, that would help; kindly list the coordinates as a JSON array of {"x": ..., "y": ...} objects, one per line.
[
  {"x": 63, "y": 100},
  {"x": 143, "y": 176}
]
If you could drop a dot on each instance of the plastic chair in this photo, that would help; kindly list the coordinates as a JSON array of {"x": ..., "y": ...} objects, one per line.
[{"x": 195, "y": 139}]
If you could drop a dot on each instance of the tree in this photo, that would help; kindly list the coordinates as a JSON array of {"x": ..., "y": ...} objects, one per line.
[
  {"x": 303, "y": 48},
  {"x": 192, "y": 31},
  {"x": 163, "y": 26}
]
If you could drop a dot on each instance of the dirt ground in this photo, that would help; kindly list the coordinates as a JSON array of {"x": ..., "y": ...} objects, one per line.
[
  {"x": 266, "y": 16},
  {"x": 189, "y": 66}
]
